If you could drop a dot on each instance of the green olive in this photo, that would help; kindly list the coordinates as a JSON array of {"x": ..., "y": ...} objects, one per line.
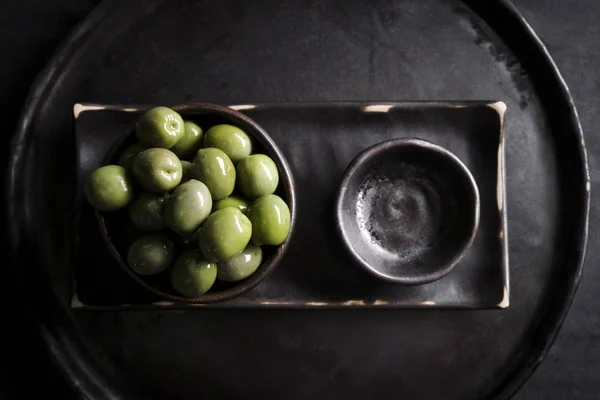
[
  {"x": 193, "y": 276},
  {"x": 160, "y": 127},
  {"x": 146, "y": 212},
  {"x": 157, "y": 170},
  {"x": 257, "y": 176},
  {"x": 270, "y": 218},
  {"x": 232, "y": 140},
  {"x": 224, "y": 234},
  {"x": 109, "y": 188},
  {"x": 240, "y": 266},
  {"x": 191, "y": 141},
  {"x": 150, "y": 254},
  {"x": 130, "y": 153},
  {"x": 216, "y": 170},
  {"x": 187, "y": 171},
  {"x": 232, "y": 201},
  {"x": 188, "y": 207}
]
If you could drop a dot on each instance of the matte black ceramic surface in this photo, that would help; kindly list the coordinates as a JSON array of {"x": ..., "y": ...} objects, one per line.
[
  {"x": 320, "y": 140},
  {"x": 117, "y": 237},
  {"x": 226, "y": 52},
  {"x": 407, "y": 210}
]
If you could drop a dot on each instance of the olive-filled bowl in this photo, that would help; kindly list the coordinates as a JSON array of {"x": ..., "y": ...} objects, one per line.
[{"x": 122, "y": 229}]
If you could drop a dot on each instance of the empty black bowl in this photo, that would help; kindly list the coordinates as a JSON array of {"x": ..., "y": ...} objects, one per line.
[{"x": 407, "y": 210}]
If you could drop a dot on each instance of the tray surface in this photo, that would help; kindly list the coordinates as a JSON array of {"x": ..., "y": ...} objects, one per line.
[
  {"x": 160, "y": 52},
  {"x": 320, "y": 140}
]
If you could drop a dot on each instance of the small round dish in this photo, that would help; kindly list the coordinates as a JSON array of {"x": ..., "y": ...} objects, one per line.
[
  {"x": 407, "y": 210},
  {"x": 118, "y": 235}
]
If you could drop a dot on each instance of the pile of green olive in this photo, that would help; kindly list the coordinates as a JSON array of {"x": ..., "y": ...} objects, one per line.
[{"x": 206, "y": 187}]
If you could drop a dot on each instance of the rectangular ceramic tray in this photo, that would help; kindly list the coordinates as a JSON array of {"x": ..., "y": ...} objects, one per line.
[{"x": 320, "y": 140}]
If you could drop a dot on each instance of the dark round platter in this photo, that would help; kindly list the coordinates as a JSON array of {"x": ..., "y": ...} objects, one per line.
[{"x": 160, "y": 52}]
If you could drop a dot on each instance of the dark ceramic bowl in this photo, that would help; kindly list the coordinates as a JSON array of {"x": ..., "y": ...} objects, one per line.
[
  {"x": 407, "y": 210},
  {"x": 118, "y": 233}
]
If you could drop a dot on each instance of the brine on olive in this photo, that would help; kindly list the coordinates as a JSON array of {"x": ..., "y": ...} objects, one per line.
[
  {"x": 257, "y": 176},
  {"x": 224, "y": 234},
  {"x": 150, "y": 254},
  {"x": 186, "y": 171},
  {"x": 215, "y": 170},
  {"x": 188, "y": 206},
  {"x": 192, "y": 275},
  {"x": 160, "y": 127},
  {"x": 158, "y": 170},
  {"x": 240, "y": 266},
  {"x": 191, "y": 141},
  {"x": 231, "y": 140},
  {"x": 109, "y": 188},
  {"x": 238, "y": 202},
  {"x": 270, "y": 218}
]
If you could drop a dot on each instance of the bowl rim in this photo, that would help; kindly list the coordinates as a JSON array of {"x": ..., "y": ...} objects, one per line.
[
  {"x": 390, "y": 145},
  {"x": 285, "y": 178}
]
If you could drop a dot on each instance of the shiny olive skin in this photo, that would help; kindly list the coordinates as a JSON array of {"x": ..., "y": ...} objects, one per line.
[
  {"x": 257, "y": 175},
  {"x": 192, "y": 275},
  {"x": 232, "y": 201},
  {"x": 187, "y": 171},
  {"x": 189, "y": 205},
  {"x": 216, "y": 170},
  {"x": 232, "y": 140},
  {"x": 109, "y": 188},
  {"x": 146, "y": 212},
  {"x": 150, "y": 254},
  {"x": 224, "y": 234},
  {"x": 130, "y": 153},
  {"x": 157, "y": 170},
  {"x": 240, "y": 266},
  {"x": 160, "y": 127},
  {"x": 270, "y": 217},
  {"x": 187, "y": 147}
]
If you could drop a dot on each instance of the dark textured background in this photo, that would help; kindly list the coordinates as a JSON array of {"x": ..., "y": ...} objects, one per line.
[{"x": 31, "y": 30}]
